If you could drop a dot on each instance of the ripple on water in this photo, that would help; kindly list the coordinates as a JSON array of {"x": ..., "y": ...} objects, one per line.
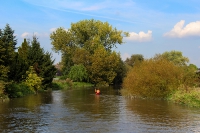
[{"x": 81, "y": 111}]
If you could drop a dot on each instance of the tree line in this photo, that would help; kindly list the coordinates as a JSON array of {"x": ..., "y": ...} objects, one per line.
[
  {"x": 24, "y": 69},
  {"x": 87, "y": 56}
]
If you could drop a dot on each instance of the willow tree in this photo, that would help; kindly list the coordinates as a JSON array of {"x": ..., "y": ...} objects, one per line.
[{"x": 85, "y": 37}]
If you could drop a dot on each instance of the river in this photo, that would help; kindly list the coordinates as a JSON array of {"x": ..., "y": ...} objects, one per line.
[{"x": 81, "y": 111}]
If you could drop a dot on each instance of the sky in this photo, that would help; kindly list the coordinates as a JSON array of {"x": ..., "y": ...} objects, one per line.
[{"x": 155, "y": 26}]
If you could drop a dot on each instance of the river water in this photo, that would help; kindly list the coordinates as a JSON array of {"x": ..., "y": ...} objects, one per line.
[{"x": 81, "y": 111}]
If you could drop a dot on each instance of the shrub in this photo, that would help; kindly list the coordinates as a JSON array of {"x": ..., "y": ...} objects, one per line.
[
  {"x": 33, "y": 80},
  {"x": 69, "y": 82},
  {"x": 78, "y": 73},
  {"x": 153, "y": 78},
  {"x": 15, "y": 90},
  {"x": 189, "y": 98}
]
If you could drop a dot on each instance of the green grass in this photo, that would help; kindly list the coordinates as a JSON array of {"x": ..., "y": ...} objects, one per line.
[
  {"x": 60, "y": 84},
  {"x": 82, "y": 84},
  {"x": 3, "y": 97},
  {"x": 189, "y": 98}
]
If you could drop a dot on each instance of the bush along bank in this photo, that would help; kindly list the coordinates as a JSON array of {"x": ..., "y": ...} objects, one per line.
[
  {"x": 158, "y": 78},
  {"x": 189, "y": 98}
]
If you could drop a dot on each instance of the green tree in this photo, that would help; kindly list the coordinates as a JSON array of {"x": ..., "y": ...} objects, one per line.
[
  {"x": 20, "y": 63},
  {"x": 134, "y": 59},
  {"x": 3, "y": 66},
  {"x": 23, "y": 50},
  {"x": 41, "y": 62},
  {"x": 121, "y": 73},
  {"x": 33, "y": 80},
  {"x": 153, "y": 79},
  {"x": 7, "y": 50},
  {"x": 10, "y": 38},
  {"x": 78, "y": 73},
  {"x": 85, "y": 35},
  {"x": 103, "y": 67},
  {"x": 88, "y": 34},
  {"x": 174, "y": 56},
  {"x": 48, "y": 70}
]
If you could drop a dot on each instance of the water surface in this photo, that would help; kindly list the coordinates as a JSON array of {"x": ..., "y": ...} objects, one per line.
[{"x": 80, "y": 110}]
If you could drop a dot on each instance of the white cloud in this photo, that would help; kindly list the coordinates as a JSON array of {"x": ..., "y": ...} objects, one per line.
[
  {"x": 140, "y": 37},
  {"x": 53, "y": 29},
  {"x": 25, "y": 34},
  {"x": 125, "y": 56},
  {"x": 191, "y": 29}
]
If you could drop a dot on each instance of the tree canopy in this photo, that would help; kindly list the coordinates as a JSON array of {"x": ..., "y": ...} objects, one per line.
[
  {"x": 174, "y": 56},
  {"x": 86, "y": 34},
  {"x": 90, "y": 43},
  {"x": 134, "y": 59}
]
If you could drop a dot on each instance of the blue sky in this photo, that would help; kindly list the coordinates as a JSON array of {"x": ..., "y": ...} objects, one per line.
[{"x": 155, "y": 26}]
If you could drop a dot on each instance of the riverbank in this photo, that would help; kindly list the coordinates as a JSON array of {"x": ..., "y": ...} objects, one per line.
[
  {"x": 59, "y": 84},
  {"x": 3, "y": 98},
  {"x": 190, "y": 98}
]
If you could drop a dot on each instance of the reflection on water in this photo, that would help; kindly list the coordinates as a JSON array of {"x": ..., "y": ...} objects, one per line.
[{"x": 80, "y": 110}]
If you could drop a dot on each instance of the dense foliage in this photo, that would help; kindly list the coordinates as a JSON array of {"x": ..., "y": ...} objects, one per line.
[
  {"x": 134, "y": 59},
  {"x": 15, "y": 63},
  {"x": 33, "y": 80},
  {"x": 158, "y": 78},
  {"x": 152, "y": 78},
  {"x": 90, "y": 43},
  {"x": 7, "y": 53},
  {"x": 78, "y": 73}
]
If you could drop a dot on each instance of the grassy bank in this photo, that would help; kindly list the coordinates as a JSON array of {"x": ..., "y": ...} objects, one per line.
[
  {"x": 189, "y": 98},
  {"x": 3, "y": 97},
  {"x": 60, "y": 84}
]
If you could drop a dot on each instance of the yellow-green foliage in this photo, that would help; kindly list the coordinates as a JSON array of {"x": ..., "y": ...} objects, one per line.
[
  {"x": 189, "y": 98},
  {"x": 33, "y": 80},
  {"x": 153, "y": 78},
  {"x": 104, "y": 66},
  {"x": 69, "y": 82},
  {"x": 2, "y": 85}
]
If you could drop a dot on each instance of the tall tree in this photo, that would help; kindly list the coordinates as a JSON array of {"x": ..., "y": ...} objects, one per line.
[
  {"x": 10, "y": 38},
  {"x": 103, "y": 67},
  {"x": 7, "y": 49},
  {"x": 85, "y": 35},
  {"x": 48, "y": 70},
  {"x": 88, "y": 34},
  {"x": 121, "y": 73},
  {"x": 41, "y": 62},
  {"x": 20, "y": 64}
]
